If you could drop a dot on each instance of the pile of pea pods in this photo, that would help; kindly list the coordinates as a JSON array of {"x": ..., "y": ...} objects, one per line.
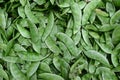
[{"x": 59, "y": 39}]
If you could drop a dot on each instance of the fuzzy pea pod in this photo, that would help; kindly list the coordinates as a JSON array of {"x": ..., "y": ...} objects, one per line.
[
  {"x": 88, "y": 10},
  {"x": 52, "y": 45},
  {"x": 77, "y": 14},
  {"x": 16, "y": 73},
  {"x": 69, "y": 43},
  {"x": 115, "y": 18},
  {"x": 50, "y": 76},
  {"x": 49, "y": 26}
]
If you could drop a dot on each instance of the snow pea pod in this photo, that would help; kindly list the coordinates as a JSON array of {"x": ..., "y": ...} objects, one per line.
[
  {"x": 68, "y": 42},
  {"x": 77, "y": 14},
  {"x": 49, "y": 26},
  {"x": 88, "y": 10},
  {"x": 16, "y": 73}
]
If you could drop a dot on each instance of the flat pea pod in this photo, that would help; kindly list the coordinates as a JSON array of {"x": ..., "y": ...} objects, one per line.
[
  {"x": 97, "y": 56},
  {"x": 115, "y": 17},
  {"x": 68, "y": 43},
  {"x": 77, "y": 14},
  {"x": 33, "y": 32},
  {"x": 2, "y": 19},
  {"x": 49, "y": 26},
  {"x": 12, "y": 59},
  {"x": 52, "y": 45},
  {"x": 16, "y": 73},
  {"x": 116, "y": 35},
  {"x": 30, "y": 15},
  {"x": 66, "y": 54},
  {"x": 50, "y": 76},
  {"x": 3, "y": 74},
  {"x": 32, "y": 68},
  {"x": 29, "y": 56},
  {"x": 88, "y": 10},
  {"x": 24, "y": 32},
  {"x": 21, "y": 12}
]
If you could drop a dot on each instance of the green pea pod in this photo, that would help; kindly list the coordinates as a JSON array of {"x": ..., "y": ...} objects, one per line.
[
  {"x": 12, "y": 59},
  {"x": 94, "y": 34},
  {"x": 30, "y": 56},
  {"x": 52, "y": 45},
  {"x": 23, "y": 2},
  {"x": 2, "y": 19},
  {"x": 77, "y": 37},
  {"x": 21, "y": 12},
  {"x": 77, "y": 14},
  {"x": 104, "y": 47},
  {"x": 69, "y": 43},
  {"x": 50, "y": 76},
  {"x": 44, "y": 67},
  {"x": 49, "y": 26},
  {"x": 66, "y": 54},
  {"x": 115, "y": 18},
  {"x": 33, "y": 32},
  {"x": 97, "y": 56},
  {"x": 110, "y": 8},
  {"x": 3, "y": 74},
  {"x": 106, "y": 27},
  {"x": 86, "y": 37},
  {"x": 18, "y": 48},
  {"x": 32, "y": 68},
  {"x": 115, "y": 35},
  {"x": 16, "y": 73},
  {"x": 88, "y": 10},
  {"x": 102, "y": 13},
  {"x": 30, "y": 15},
  {"x": 107, "y": 74},
  {"x": 24, "y": 32}
]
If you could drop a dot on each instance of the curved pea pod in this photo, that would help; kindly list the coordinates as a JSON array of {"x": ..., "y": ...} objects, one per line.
[
  {"x": 82, "y": 4},
  {"x": 92, "y": 17},
  {"x": 33, "y": 32},
  {"x": 66, "y": 54},
  {"x": 97, "y": 56},
  {"x": 63, "y": 3},
  {"x": 110, "y": 8},
  {"x": 32, "y": 68},
  {"x": 86, "y": 37},
  {"x": 116, "y": 35},
  {"x": 18, "y": 47},
  {"x": 115, "y": 18},
  {"x": 3, "y": 74},
  {"x": 77, "y": 14},
  {"x": 21, "y": 12},
  {"x": 77, "y": 78},
  {"x": 29, "y": 56},
  {"x": 77, "y": 37},
  {"x": 44, "y": 68},
  {"x": 69, "y": 43},
  {"x": 106, "y": 27},
  {"x": 114, "y": 59},
  {"x": 2, "y": 19},
  {"x": 16, "y": 72},
  {"x": 52, "y": 45},
  {"x": 88, "y": 10},
  {"x": 102, "y": 13},
  {"x": 50, "y": 76},
  {"x": 94, "y": 34},
  {"x": 30, "y": 15},
  {"x": 23, "y": 2},
  {"x": 24, "y": 32},
  {"x": 107, "y": 74},
  {"x": 104, "y": 47},
  {"x": 87, "y": 76},
  {"x": 49, "y": 26},
  {"x": 12, "y": 59}
]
